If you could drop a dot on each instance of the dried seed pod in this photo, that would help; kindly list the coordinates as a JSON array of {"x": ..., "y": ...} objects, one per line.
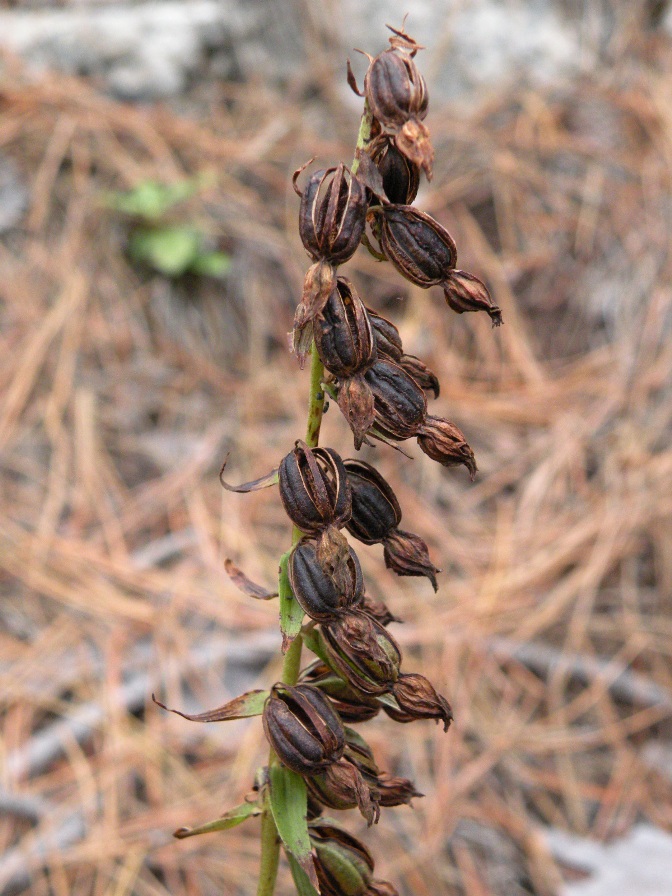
[
  {"x": 351, "y": 706},
  {"x": 395, "y": 89},
  {"x": 464, "y": 292},
  {"x": 375, "y": 509},
  {"x": 418, "y": 246},
  {"x": 362, "y": 652},
  {"x": 343, "y": 864},
  {"x": 388, "y": 340},
  {"x": 400, "y": 176},
  {"x": 316, "y": 591},
  {"x": 314, "y": 488},
  {"x": 341, "y": 786},
  {"x": 332, "y": 216},
  {"x": 395, "y": 791},
  {"x": 418, "y": 699},
  {"x": 303, "y": 728},
  {"x": 406, "y": 554},
  {"x": 424, "y": 377},
  {"x": 399, "y": 403},
  {"x": 343, "y": 332},
  {"x": 444, "y": 443}
]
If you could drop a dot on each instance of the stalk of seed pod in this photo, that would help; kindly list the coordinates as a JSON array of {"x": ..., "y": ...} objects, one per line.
[
  {"x": 362, "y": 652},
  {"x": 399, "y": 403},
  {"x": 317, "y": 593},
  {"x": 303, "y": 728},
  {"x": 375, "y": 519},
  {"x": 418, "y": 246},
  {"x": 345, "y": 342},
  {"x": 444, "y": 443}
]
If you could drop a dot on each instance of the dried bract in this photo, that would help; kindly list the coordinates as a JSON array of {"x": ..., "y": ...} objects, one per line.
[
  {"x": 318, "y": 284},
  {"x": 444, "y": 443}
]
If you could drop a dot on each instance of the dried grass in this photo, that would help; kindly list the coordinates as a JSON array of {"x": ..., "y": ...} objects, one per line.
[{"x": 120, "y": 396}]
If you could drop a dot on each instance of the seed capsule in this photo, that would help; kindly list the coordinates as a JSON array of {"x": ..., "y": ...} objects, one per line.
[
  {"x": 395, "y": 791},
  {"x": 399, "y": 403},
  {"x": 341, "y": 786},
  {"x": 401, "y": 177},
  {"x": 362, "y": 652},
  {"x": 444, "y": 443},
  {"x": 316, "y": 591},
  {"x": 418, "y": 699},
  {"x": 351, "y": 706},
  {"x": 375, "y": 509},
  {"x": 424, "y": 377},
  {"x": 395, "y": 89},
  {"x": 332, "y": 216},
  {"x": 314, "y": 488},
  {"x": 418, "y": 246},
  {"x": 406, "y": 554},
  {"x": 343, "y": 332},
  {"x": 464, "y": 292},
  {"x": 388, "y": 340},
  {"x": 303, "y": 728},
  {"x": 343, "y": 864}
]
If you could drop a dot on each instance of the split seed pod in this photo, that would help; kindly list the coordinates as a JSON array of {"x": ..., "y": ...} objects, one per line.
[
  {"x": 362, "y": 652},
  {"x": 314, "y": 488},
  {"x": 317, "y": 593},
  {"x": 303, "y": 728},
  {"x": 401, "y": 176}
]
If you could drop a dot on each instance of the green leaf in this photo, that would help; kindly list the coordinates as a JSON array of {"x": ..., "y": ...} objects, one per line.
[
  {"x": 291, "y": 614},
  {"x": 243, "y": 707},
  {"x": 289, "y": 805},
  {"x": 301, "y": 881},
  {"x": 211, "y": 264},
  {"x": 151, "y": 199},
  {"x": 230, "y": 819},
  {"x": 169, "y": 250}
]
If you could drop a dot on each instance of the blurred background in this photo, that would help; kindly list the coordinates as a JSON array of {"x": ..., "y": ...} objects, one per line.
[{"x": 149, "y": 269}]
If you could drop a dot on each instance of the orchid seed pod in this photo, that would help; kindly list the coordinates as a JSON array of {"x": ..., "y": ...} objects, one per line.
[
  {"x": 406, "y": 554},
  {"x": 464, "y": 292},
  {"x": 418, "y": 699},
  {"x": 343, "y": 332},
  {"x": 388, "y": 340},
  {"x": 401, "y": 176},
  {"x": 351, "y": 705},
  {"x": 399, "y": 403},
  {"x": 394, "y": 791},
  {"x": 343, "y": 864},
  {"x": 332, "y": 215},
  {"x": 303, "y": 728},
  {"x": 424, "y": 377},
  {"x": 395, "y": 89},
  {"x": 362, "y": 652},
  {"x": 444, "y": 443},
  {"x": 316, "y": 591},
  {"x": 341, "y": 786},
  {"x": 314, "y": 488},
  {"x": 418, "y": 246}
]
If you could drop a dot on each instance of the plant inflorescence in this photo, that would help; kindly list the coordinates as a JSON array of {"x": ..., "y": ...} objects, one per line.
[{"x": 318, "y": 761}]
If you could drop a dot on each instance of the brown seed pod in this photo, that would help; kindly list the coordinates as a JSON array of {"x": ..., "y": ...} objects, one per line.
[
  {"x": 316, "y": 592},
  {"x": 424, "y": 377},
  {"x": 341, "y": 786},
  {"x": 375, "y": 509},
  {"x": 464, "y": 292},
  {"x": 395, "y": 89},
  {"x": 418, "y": 246},
  {"x": 343, "y": 332},
  {"x": 388, "y": 340},
  {"x": 444, "y": 443},
  {"x": 343, "y": 863},
  {"x": 314, "y": 488},
  {"x": 332, "y": 215},
  {"x": 303, "y": 728},
  {"x": 362, "y": 652},
  {"x": 351, "y": 705},
  {"x": 400, "y": 176},
  {"x": 417, "y": 699},
  {"x": 406, "y": 554},
  {"x": 399, "y": 403}
]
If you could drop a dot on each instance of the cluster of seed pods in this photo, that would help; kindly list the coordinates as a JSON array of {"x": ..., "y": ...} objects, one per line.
[{"x": 383, "y": 393}]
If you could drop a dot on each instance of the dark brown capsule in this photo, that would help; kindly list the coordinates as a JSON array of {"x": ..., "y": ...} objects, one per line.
[
  {"x": 341, "y": 786},
  {"x": 343, "y": 332},
  {"x": 399, "y": 403},
  {"x": 444, "y": 443},
  {"x": 316, "y": 592},
  {"x": 375, "y": 509},
  {"x": 388, "y": 340},
  {"x": 303, "y": 728},
  {"x": 352, "y": 706},
  {"x": 406, "y": 554},
  {"x": 464, "y": 292},
  {"x": 395, "y": 89},
  {"x": 400, "y": 176},
  {"x": 332, "y": 216},
  {"x": 362, "y": 652},
  {"x": 418, "y": 246},
  {"x": 424, "y": 377},
  {"x": 314, "y": 488},
  {"x": 418, "y": 699}
]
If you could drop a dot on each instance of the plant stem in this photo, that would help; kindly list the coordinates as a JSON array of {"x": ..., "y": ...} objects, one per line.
[{"x": 270, "y": 842}]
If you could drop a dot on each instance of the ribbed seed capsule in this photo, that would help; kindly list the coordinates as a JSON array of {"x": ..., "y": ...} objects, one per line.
[
  {"x": 303, "y": 728},
  {"x": 388, "y": 340},
  {"x": 316, "y": 591},
  {"x": 343, "y": 864},
  {"x": 332, "y": 215},
  {"x": 343, "y": 332},
  {"x": 314, "y": 488},
  {"x": 399, "y": 403},
  {"x": 375, "y": 509},
  {"x": 464, "y": 292},
  {"x": 351, "y": 706},
  {"x": 424, "y": 377},
  {"x": 395, "y": 89},
  {"x": 395, "y": 791},
  {"x": 418, "y": 246},
  {"x": 444, "y": 443},
  {"x": 401, "y": 176},
  {"x": 418, "y": 699},
  {"x": 362, "y": 652},
  {"x": 341, "y": 786}
]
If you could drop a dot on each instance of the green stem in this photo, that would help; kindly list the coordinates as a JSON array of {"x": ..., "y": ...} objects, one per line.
[{"x": 270, "y": 842}]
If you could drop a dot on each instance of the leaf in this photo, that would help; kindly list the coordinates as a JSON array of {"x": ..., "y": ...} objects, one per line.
[
  {"x": 230, "y": 819},
  {"x": 151, "y": 199},
  {"x": 247, "y": 586},
  {"x": 243, "y": 707},
  {"x": 253, "y": 486},
  {"x": 169, "y": 250},
  {"x": 291, "y": 613},
  {"x": 289, "y": 805},
  {"x": 211, "y": 264},
  {"x": 301, "y": 881}
]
